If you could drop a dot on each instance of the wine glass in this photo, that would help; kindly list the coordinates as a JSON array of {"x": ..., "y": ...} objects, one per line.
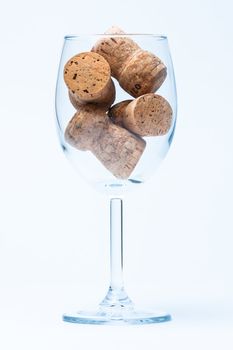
[{"x": 116, "y": 307}]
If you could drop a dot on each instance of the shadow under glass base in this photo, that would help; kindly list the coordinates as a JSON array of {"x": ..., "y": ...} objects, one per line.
[{"x": 116, "y": 316}]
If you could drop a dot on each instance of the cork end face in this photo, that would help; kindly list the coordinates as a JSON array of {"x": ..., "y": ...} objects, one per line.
[
  {"x": 86, "y": 75},
  {"x": 149, "y": 115}
]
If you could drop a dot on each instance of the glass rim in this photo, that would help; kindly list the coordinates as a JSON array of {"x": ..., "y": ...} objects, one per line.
[{"x": 77, "y": 36}]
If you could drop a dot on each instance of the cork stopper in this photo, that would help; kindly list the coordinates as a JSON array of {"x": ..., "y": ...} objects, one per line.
[
  {"x": 138, "y": 71},
  {"x": 88, "y": 77},
  {"x": 147, "y": 115},
  {"x": 115, "y": 147}
]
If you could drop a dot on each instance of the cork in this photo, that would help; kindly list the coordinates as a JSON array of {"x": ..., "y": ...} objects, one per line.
[
  {"x": 117, "y": 112},
  {"x": 147, "y": 115},
  {"x": 85, "y": 128},
  {"x": 115, "y": 147},
  {"x": 137, "y": 71},
  {"x": 142, "y": 74},
  {"x": 88, "y": 77}
]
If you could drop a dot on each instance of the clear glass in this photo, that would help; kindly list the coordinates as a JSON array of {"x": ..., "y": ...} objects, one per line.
[{"x": 116, "y": 307}]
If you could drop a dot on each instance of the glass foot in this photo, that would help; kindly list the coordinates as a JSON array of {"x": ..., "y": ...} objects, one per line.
[{"x": 116, "y": 316}]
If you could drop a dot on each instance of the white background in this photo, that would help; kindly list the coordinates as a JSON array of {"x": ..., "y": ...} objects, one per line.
[{"x": 178, "y": 227}]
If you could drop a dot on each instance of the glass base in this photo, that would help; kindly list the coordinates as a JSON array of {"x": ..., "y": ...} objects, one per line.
[
  {"x": 116, "y": 309},
  {"x": 116, "y": 317}
]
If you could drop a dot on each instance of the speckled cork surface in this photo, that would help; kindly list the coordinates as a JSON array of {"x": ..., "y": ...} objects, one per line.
[
  {"x": 117, "y": 149},
  {"x": 142, "y": 74},
  {"x": 88, "y": 77},
  {"x": 147, "y": 115},
  {"x": 85, "y": 128},
  {"x": 116, "y": 50}
]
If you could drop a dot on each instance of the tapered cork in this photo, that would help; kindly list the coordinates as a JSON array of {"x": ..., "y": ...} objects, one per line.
[
  {"x": 115, "y": 147},
  {"x": 147, "y": 115},
  {"x": 88, "y": 77},
  {"x": 138, "y": 71}
]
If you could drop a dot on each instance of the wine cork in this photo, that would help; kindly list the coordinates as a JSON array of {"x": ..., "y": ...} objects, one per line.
[
  {"x": 88, "y": 77},
  {"x": 137, "y": 71},
  {"x": 147, "y": 115},
  {"x": 115, "y": 147},
  {"x": 142, "y": 74}
]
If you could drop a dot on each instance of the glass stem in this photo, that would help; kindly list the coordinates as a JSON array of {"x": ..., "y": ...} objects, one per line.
[
  {"x": 116, "y": 296},
  {"x": 116, "y": 244}
]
